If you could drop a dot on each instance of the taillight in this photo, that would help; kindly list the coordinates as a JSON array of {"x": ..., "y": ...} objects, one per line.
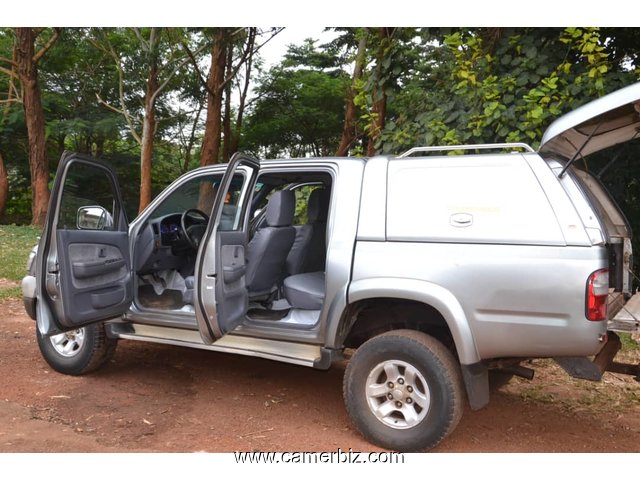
[{"x": 597, "y": 292}]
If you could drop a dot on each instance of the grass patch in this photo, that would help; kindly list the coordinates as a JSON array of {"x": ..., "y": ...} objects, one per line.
[
  {"x": 552, "y": 385},
  {"x": 15, "y": 244},
  {"x": 628, "y": 343},
  {"x": 10, "y": 292}
]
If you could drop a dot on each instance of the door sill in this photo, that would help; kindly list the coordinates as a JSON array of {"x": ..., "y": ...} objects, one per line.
[{"x": 288, "y": 352}]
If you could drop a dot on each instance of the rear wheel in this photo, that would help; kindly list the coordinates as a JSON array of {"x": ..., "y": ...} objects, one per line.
[
  {"x": 79, "y": 351},
  {"x": 403, "y": 390}
]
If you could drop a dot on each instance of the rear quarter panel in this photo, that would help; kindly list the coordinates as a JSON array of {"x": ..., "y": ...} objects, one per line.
[
  {"x": 519, "y": 300},
  {"x": 498, "y": 235}
]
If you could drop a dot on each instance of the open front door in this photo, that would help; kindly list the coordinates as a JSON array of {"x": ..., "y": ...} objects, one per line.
[
  {"x": 221, "y": 297},
  {"x": 83, "y": 272}
]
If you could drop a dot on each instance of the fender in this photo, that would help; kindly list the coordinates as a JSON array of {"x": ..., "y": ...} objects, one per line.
[{"x": 425, "y": 292}]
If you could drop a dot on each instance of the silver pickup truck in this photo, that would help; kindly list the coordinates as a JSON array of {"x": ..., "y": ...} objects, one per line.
[{"x": 432, "y": 271}]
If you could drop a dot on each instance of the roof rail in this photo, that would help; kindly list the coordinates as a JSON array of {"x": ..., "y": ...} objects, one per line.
[{"x": 483, "y": 146}]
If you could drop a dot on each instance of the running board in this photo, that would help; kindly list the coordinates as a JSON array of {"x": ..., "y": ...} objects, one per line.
[{"x": 296, "y": 353}]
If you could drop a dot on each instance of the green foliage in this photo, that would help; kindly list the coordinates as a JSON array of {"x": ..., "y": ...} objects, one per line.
[
  {"x": 19, "y": 202},
  {"x": 15, "y": 245},
  {"x": 392, "y": 56},
  {"x": 300, "y": 107},
  {"x": 476, "y": 91}
]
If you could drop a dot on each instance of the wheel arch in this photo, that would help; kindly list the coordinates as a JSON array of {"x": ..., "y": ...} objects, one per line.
[{"x": 438, "y": 302}]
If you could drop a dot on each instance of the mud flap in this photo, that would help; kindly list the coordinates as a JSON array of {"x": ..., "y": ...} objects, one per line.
[{"x": 476, "y": 382}]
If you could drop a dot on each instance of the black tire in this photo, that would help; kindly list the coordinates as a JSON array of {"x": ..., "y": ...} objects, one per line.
[
  {"x": 436, "y": 367},
  {"x": 93, "y": 352}
]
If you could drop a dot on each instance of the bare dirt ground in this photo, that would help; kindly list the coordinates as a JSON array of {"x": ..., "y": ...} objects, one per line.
[{"x": 157, "y": 398}]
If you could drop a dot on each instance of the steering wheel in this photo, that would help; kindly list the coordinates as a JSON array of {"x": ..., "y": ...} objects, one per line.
[{"x": 193, "y": 223}]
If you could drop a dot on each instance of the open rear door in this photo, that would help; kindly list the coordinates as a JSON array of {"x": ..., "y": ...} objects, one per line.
[
  {"x": 83, "y": 272},
  {"x": 221, "y": 297}
]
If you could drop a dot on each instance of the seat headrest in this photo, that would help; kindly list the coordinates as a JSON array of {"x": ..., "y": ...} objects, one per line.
[
  {"x": 281, "y": 208},
  {"x": 318, "y": 206}
]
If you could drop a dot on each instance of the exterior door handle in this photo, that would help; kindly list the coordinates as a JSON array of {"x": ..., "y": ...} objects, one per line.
[{"x": 461, "y": 220}]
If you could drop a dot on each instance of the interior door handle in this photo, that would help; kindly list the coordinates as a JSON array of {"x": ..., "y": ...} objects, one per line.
[
  {"x": 232, "y": 273},
  {"x": 93, "y": 269}
]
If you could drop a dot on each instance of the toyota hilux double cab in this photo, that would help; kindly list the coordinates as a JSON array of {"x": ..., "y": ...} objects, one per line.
[{"x": 434, "y": 269}]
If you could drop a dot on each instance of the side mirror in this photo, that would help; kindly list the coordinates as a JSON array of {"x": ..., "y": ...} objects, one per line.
[{"x": 93, "y": 217}]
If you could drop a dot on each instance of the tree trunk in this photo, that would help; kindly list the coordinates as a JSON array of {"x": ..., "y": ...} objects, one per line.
[
  {"x": 243, "y": 97},
  {"x": 226, "y": 123},
  {"x": 4, "y": 186},
  {"x": 34, "y": 118},
  {"x": 212, "y": 131},
  {"x": 60, "y": 144},
  {"x": 349, "y": 129},
  {"x": 148, "y": 133},
  {"x": 192, "y": 140},
  {"x": 99, "y": 146},
  {"x": 379, "y": 111}
]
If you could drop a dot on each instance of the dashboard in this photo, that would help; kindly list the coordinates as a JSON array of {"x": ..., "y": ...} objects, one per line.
[
  {"x": 168, "y": 229},
  {"x": 161, "y": 245}
]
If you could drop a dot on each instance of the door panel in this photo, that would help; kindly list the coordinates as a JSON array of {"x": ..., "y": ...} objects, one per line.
[
  {"x": 94, "y": 266},
  {"x": 221, "y": 295},
  {"x": 84, "y": 268},
  {"x": 231, "y": 290}
]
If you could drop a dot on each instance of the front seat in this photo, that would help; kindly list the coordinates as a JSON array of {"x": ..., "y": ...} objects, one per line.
[{"x": 268, "y": 249}]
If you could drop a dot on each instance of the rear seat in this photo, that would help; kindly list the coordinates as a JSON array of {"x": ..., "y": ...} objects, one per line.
[{"x": 305, "y": 290}]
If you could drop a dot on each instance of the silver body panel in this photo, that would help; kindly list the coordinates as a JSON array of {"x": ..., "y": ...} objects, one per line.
[{"x": 498, "y": 300}]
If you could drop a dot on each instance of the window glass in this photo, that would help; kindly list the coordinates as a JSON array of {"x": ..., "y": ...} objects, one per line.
[
  {"x": 88, "y": 199},
  {"x": 302, "y": 202},
  {"x": 199, "y": 193}
]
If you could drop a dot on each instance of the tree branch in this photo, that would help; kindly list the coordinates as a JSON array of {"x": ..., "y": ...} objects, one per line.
[
  {"x": 11, "y": 73},
  {"x": 280, "y": 29},
  {"x": 249, "y": 49},
  {"x": 123, "y": 110},
  {"x": 194, "y": 62},
  {"x": 10, "y": 62},
  {"x": 108, "y": 105},
  {"x": 143, "y": 42},
  {"x": 172, "y": 73},
  {"x": 40, "y": 53}
]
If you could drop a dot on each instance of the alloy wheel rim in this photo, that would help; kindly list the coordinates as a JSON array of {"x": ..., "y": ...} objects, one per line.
[
  {"x": 68, "y": 344},
  {"x": 398, "y": 394}
]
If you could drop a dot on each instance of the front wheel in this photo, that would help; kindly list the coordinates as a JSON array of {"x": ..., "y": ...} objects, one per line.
[
  {"x": 79, "y": 351},
  {"x": 403, "y": 390}
]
